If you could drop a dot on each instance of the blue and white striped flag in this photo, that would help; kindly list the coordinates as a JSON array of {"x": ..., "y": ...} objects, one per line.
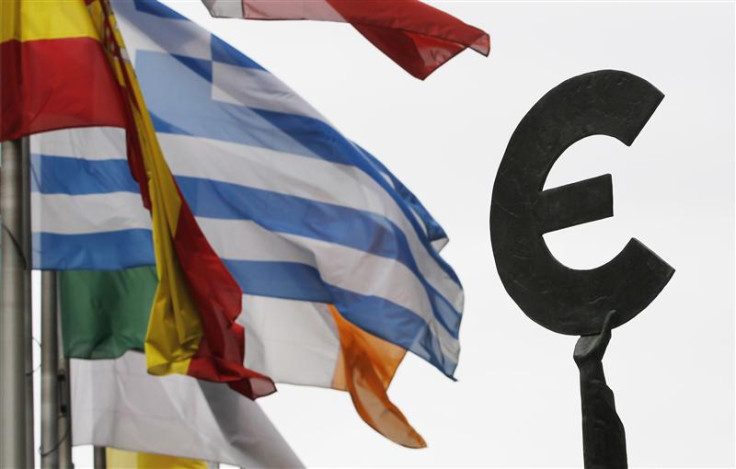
[{"x": 298, "y": 213}]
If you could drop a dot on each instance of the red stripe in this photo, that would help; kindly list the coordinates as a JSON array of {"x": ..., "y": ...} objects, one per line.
[
  {"x": 218, "y": 298},
  {"x": 56, "y": 83},
  {"x": 411, "y": 16},
  {"x": 418, "y": 37}
]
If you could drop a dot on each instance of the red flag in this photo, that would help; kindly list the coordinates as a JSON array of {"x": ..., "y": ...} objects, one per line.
[{"x": 418, "y": 37}]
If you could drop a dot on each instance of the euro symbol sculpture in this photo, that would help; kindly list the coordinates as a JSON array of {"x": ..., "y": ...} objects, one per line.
[{"x": 588, "y": 303}]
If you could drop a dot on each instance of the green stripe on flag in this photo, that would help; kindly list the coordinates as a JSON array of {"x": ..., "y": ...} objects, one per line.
[{"x": 104, "y": 314}]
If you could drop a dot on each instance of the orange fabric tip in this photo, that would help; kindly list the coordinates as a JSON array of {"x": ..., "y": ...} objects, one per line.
[{"x": 365, "y": 368}]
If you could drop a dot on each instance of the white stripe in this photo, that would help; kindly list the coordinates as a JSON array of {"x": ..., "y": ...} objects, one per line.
[
  {"x": 89, "y": 143},
  {"x": 257, "y": 89},
  {"x": 246, "y": 240},
  {"x": 419, "y": 221},
  {"x": 94, "y": 213},
  {"x": 439, "y": 244},
  {"x": 290, "y": 341},
  {"x": 225, "y": 9},
  {"x": 387, "y": 178}
]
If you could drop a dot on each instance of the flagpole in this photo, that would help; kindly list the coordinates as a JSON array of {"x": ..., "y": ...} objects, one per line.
[
  {"x": 50, "y": 410},
  {"x": 27, "y": 295},
  {"x": 56, "y": 429},
  {"x": 63, "y": 384},
  {"x": 100, "y": 457},
  {"x": 65, "y": 409},
  {"x": 13, "y": 432}
]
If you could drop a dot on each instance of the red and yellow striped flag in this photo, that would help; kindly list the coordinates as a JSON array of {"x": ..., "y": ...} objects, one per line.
[
  {"x": 64, "y": 65},
  {"x": 192, "y": 327},
  {"x": 53, "y": 71}
]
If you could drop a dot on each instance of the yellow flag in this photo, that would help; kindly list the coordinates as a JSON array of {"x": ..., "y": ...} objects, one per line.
[{"x": 119, "y": 459}]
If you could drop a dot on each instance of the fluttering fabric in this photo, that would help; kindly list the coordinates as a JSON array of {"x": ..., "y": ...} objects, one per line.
[
  {"x": 311, "y": 226},
  {"x": 418, "y": 37},
  {"x": 116, "y": 403}
]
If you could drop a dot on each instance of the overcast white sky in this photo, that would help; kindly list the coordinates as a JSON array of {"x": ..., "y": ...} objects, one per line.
[{"x": 516, "y": 402}]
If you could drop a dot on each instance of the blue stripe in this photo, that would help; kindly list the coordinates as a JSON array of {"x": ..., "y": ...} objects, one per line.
[
  {"x": 288, "y": 280},
  {"x": 76, "y": 176},
  {"x": 113, "y": 250},
  {"x": 155, "y": 8},
  {"x": 225, "y": 53}
]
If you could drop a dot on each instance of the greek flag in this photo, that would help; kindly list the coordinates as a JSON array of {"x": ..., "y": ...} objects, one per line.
[{"x": 297, "y": 211}]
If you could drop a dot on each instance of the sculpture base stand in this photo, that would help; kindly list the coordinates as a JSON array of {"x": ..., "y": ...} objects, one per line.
[{"x": 604, "y": 439}]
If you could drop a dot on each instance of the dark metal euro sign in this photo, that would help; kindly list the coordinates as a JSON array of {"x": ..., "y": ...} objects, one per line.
[{"x": 565, "y": 300}]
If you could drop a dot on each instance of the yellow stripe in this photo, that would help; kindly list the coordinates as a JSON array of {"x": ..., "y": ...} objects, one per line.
[
  {"x": 31, "y": 20},
  {"x": 174, "y": 329}
]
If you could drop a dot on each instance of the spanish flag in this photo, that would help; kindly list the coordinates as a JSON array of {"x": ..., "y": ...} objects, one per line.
[
  {"x": 192, "y": 327},
  {"x": 53, "y": 71}
]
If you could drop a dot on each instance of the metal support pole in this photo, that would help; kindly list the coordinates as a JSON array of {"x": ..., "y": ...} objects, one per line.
[
  {"x": 65, "y": 414},
  {"x": 50, "y": 411},
  {"x": 65, "y": 400},
  {"x": 100, "y": 458},
  {"x": 13, "y": 434},
  {"x": 27, "y": 299}
]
